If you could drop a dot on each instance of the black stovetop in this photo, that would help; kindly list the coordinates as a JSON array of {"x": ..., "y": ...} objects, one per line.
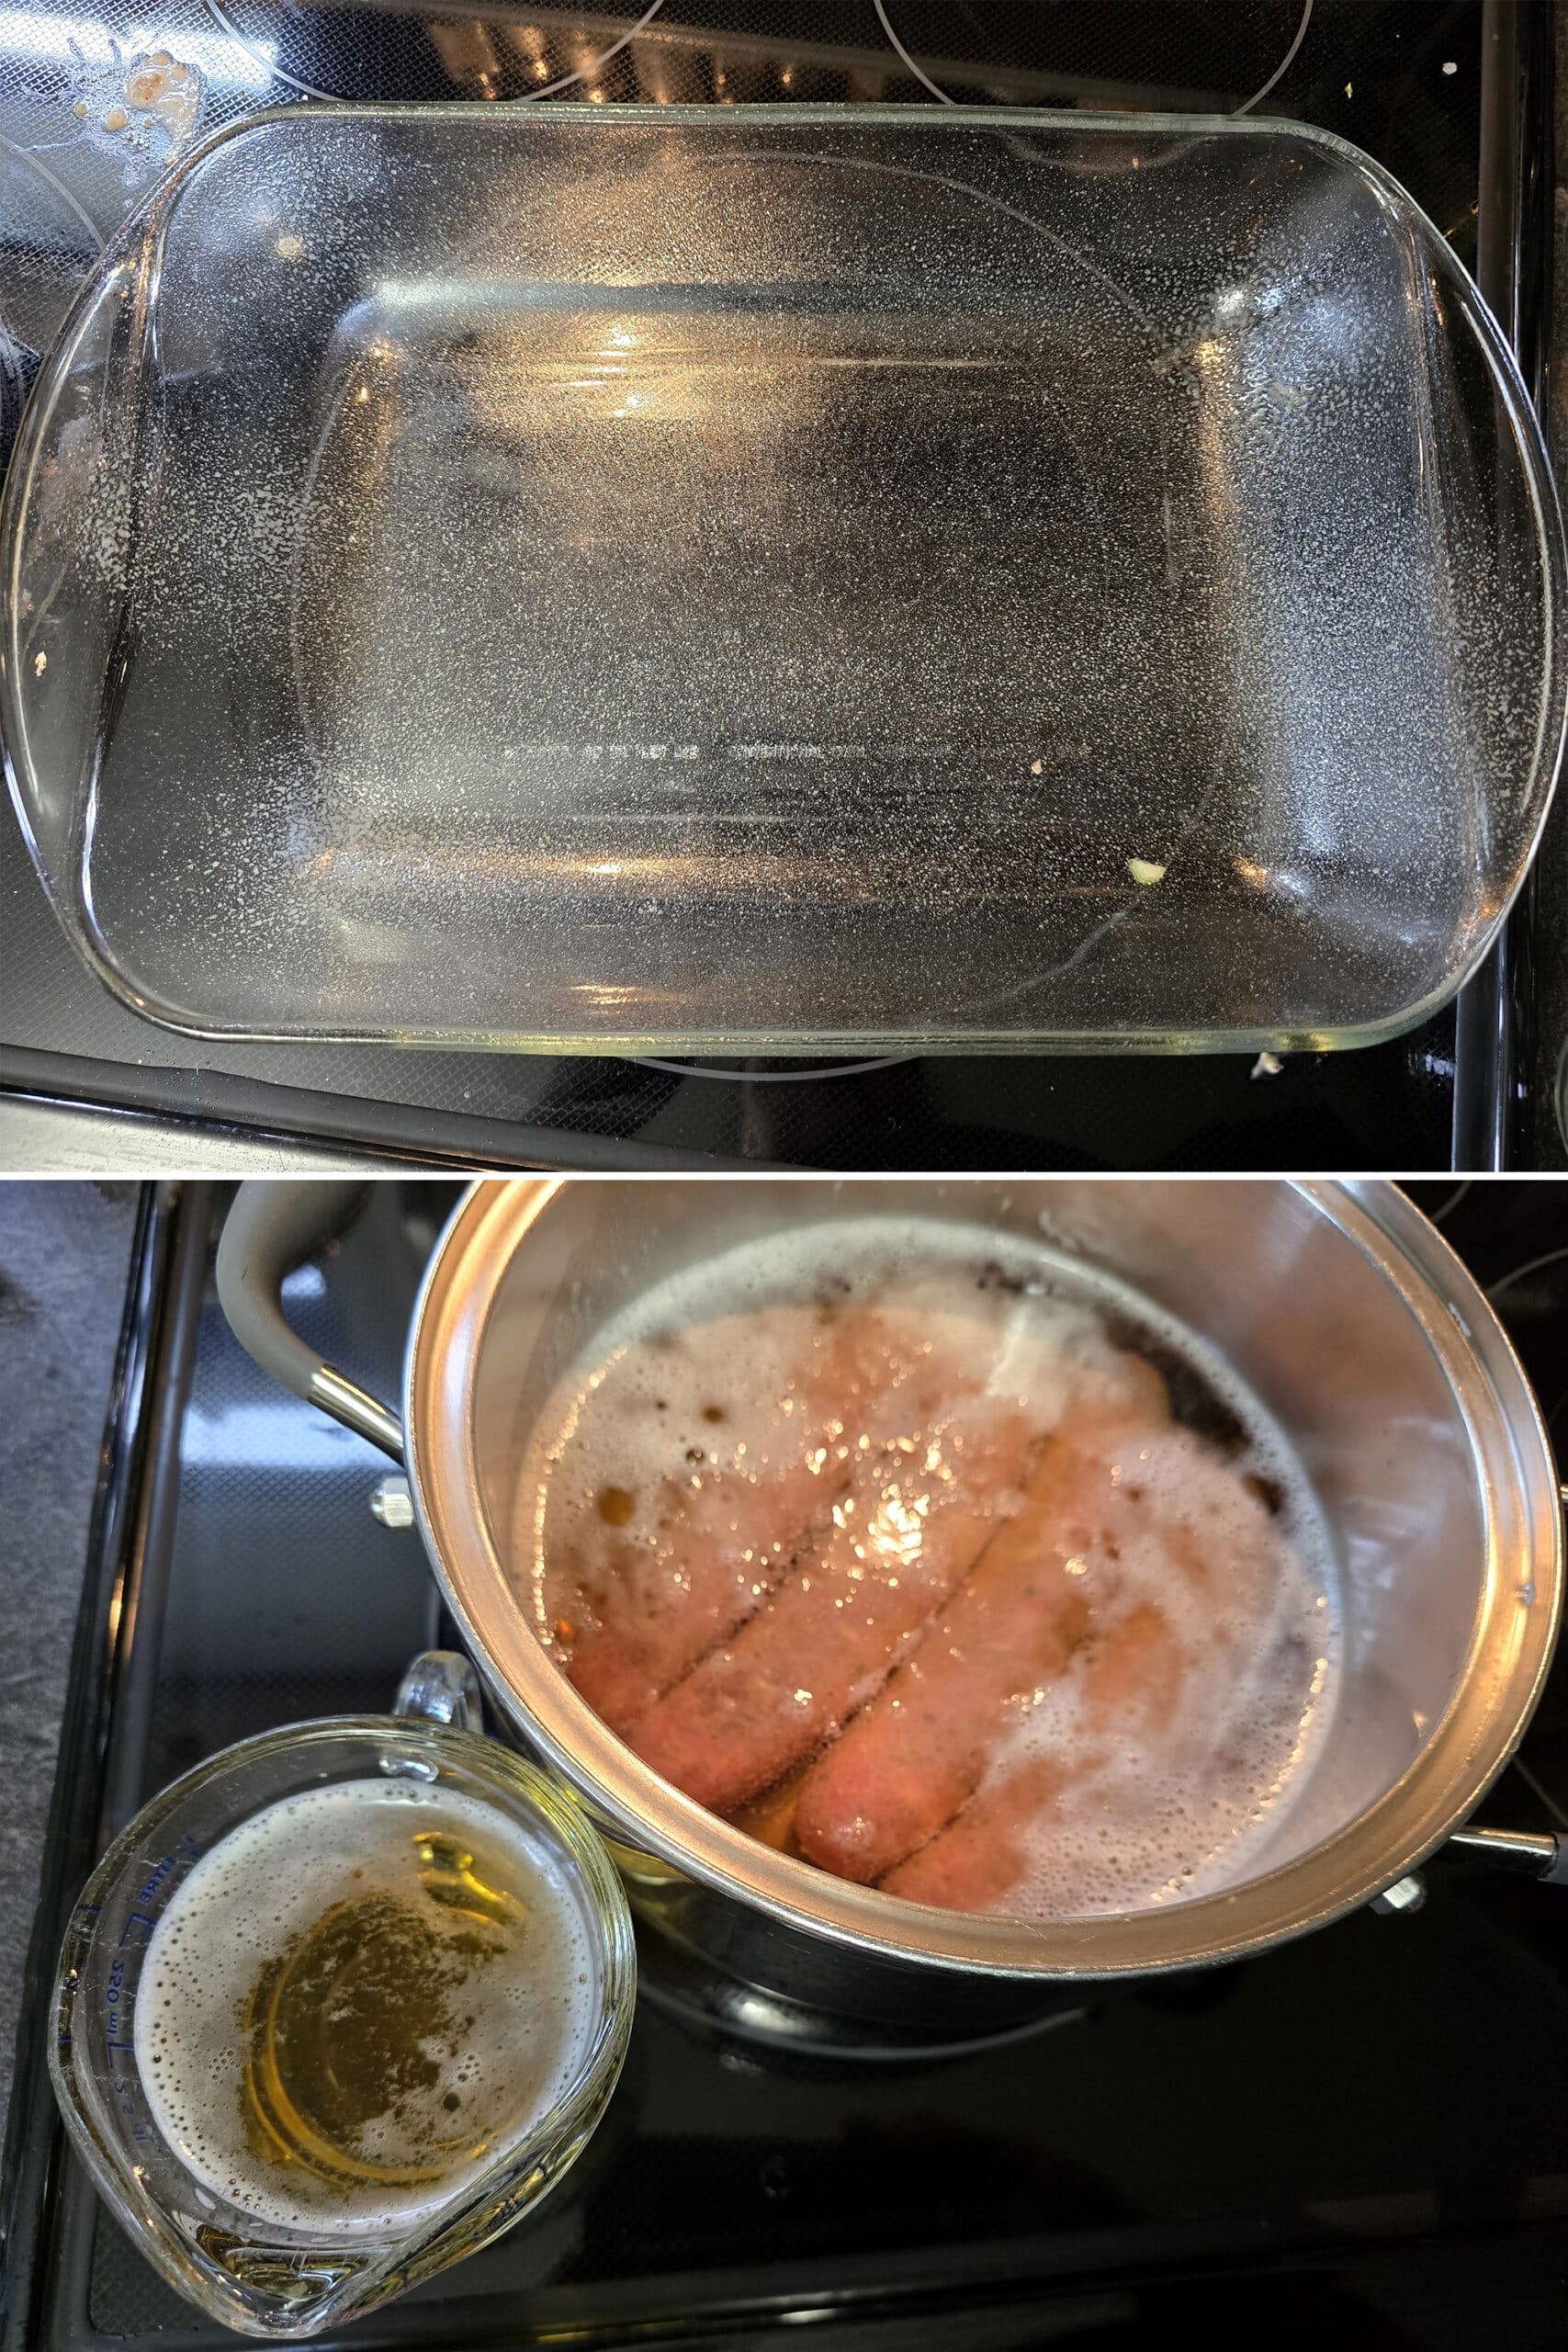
[
  {"x": 1402, "y": 79},
  {"x": 1362, "y": 2135}
]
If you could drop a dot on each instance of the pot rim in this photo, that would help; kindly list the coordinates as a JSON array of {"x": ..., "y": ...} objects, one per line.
[{"x": 1509, "y": 1653}]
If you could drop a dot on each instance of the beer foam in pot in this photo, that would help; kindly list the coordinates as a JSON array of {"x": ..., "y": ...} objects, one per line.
[
  {"x": 1156, "y": 1803},
  {"x": 665, "y": 1518},
  {"x": 709, "y": 1375}
]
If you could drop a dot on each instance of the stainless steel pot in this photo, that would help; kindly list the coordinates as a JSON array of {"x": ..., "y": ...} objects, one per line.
[{"x": 1338, "y": 1304}]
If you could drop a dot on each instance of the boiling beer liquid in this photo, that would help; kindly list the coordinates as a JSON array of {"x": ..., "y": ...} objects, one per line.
[
  {"x": 665, "y": 1449},
  {"x": 357, "y": 2001}
]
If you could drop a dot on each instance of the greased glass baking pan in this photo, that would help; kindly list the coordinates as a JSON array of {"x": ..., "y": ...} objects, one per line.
[{"x": 781, "y": 580}]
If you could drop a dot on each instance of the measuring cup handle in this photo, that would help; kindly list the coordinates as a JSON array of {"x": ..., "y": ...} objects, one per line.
[
  {"x": 271, "y": 1228},
  {"x": 441, "y": 1686}
]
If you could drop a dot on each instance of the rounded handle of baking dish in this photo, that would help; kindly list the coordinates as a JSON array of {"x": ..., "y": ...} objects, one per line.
[{"x": 272, "y": 1227}]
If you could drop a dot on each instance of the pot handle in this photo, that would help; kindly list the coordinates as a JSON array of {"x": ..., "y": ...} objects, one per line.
[
  {"x": 272, "y": 1227},
  {"x": 1541, "y": 1854}
]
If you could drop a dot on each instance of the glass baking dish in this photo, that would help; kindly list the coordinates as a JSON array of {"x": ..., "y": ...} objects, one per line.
[{"x": 781, "y": 580}]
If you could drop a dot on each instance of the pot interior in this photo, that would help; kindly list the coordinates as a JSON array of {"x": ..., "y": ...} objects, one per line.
[{"x": 1414, "y": 1428}]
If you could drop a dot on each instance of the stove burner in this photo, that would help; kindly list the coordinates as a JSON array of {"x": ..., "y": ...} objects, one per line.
[
  {"x": 50, "y": 239},
  {"x": 1065, "y": 55},
  {"x": 755, "y": 1072},
  {"x": 723, "y": 2013},
  {"x": 475, "y": 58},
  {"x": 1009, "y": 40}
]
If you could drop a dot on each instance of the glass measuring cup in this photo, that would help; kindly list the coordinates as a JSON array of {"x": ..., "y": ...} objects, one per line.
[{"x": 263, "y": 2275}]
